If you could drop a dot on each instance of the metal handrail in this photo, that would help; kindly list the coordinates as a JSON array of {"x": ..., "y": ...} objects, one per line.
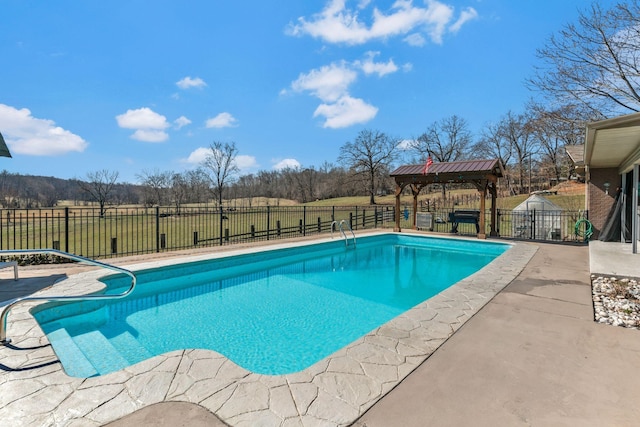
[
  {"x": 12, "y": 303},
  {"x": 346, "y": 241}
]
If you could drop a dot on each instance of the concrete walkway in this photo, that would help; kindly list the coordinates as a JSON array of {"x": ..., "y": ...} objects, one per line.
[{"x": 532, "y": 356}]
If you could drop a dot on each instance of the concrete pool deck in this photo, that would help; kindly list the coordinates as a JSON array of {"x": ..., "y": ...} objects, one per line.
[{"x": 515, "y": 366}]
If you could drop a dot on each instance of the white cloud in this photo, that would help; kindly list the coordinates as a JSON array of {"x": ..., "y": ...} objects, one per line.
[
  {"x": 150, "y": 135},
  {"x": 379, "y": 68},
  {"x": 328, "y": 83},
  {"x": 287, "y": 164},
  {"x": 142, "y": 118},
  {"x": 245, "y": 162},
  {"x": 25, "y": 134},
  {"x": 197, "y": 156},
  {"x": 222, "y": 120},
  {"x": 149, "y": 125},
  {"x": 331, "y": 83},
  {"x": 406, "y": 67},
  {"x": 467, "y": 15},
  {"x": 181, "y": 122},
  {"x": 406, "y": 144},
  {"x": 345, "y": 112},
  {"x": 339, "y": 24},
  {"x": 415, "y": 39},
  {"x": 188, "y": 82}
]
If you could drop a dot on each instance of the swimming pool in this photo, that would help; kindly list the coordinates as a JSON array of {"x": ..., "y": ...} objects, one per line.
[{"x": 271, "y": 312}]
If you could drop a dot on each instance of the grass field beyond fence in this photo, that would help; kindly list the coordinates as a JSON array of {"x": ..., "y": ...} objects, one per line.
[{"x": 134, "y": 231}]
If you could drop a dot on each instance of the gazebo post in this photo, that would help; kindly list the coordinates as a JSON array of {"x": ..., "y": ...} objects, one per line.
[
  {"x": 493, "y": 190},
  {"x": 415, "y": 189},
  {"x": 397, "y": 212},
  {"x": 483, "y": 195}
]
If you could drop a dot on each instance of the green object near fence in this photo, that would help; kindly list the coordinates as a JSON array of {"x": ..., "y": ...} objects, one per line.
[{"x": 588, "y": 229}]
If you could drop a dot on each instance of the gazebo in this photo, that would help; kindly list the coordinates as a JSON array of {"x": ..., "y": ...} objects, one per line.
[{"x": 483, "y": 174}]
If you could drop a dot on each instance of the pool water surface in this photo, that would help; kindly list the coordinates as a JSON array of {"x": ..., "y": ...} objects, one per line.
[{"x": 272, "y": 312}]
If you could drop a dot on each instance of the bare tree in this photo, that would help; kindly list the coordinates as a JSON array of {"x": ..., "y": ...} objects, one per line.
[
  {"x": 518, "y": 133},
  {"x": 595, "y": 61},
  {"x": 156, "y": 185},
  {"x": 220, "y": 163},
  {"x": 447, "y": 140},
  {"x": 492, "y": 143},
  {"x": 99, "y": 186},
  {"x": 556, "y": 129},
  {"x": 370, "y": 153},
  {"x": 198, "y": 185}
]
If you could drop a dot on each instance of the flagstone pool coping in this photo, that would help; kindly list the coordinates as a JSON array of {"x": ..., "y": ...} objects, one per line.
[{"x": 34, "y": 389}]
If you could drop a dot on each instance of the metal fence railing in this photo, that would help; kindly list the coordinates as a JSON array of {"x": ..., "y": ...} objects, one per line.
[
  {"x": 541, "y": 225},
  {"x": 131, "y": 231},
  {"x": 126, "y": 231}
]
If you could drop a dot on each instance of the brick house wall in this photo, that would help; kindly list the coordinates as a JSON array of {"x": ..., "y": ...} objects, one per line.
[{"x": 598, "y": 202}]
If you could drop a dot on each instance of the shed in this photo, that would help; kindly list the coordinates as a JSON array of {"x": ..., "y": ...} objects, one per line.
[{"x": 537, "y": 218}]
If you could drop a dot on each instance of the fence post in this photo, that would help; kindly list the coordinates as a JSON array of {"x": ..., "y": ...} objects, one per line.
[
  {"x": 375, "y": 217},
  {"x": 220, "y": 218},
  {"x": 66, "y": 229},
  {"x": 351, "y": 219},
  {"x": 533, "y": 225},
  {"x": 114, "y": 245},
  {"x": 364, "y": 218},
  {"x": 351, "y": 223},
  {"x": 319, "y": 225},
  {"x": 304, "y": 220},
  {"x": 268, "y": 221},
  {"x": 195, "y": 238},
  {"x": 278, "y": 228},
  {"x": 157, "y": 228},
  {"x": 253, "y": 231}
]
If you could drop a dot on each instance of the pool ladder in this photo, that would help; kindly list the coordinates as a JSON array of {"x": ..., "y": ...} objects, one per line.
[
  {"x": 340, "y": 224},
  {"x": 12, "y": 303}
]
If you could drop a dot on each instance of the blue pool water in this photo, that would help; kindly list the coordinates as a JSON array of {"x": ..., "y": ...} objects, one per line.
[{"x": 273, "y": 312}]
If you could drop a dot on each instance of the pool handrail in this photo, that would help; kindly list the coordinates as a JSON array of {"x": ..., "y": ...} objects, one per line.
[
  {"x": 346, "y": 239},
  {"x": 345, "y": 222},
  {"x": 15, "y": 301}
]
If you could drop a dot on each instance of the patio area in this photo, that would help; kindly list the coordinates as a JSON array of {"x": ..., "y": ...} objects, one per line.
[{"x": 531, "y": 355}]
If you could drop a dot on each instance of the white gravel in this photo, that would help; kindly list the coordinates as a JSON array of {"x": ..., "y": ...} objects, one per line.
[{"x": 616, "y": 301}]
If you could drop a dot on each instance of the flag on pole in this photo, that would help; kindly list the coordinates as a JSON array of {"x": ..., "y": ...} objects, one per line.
[{"x": 427, "y": 165}]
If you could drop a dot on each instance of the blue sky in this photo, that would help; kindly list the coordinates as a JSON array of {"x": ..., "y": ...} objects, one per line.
[{"x": 134, "y": 86}]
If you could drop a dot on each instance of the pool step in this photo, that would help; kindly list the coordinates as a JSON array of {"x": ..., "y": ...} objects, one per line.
[
  {"x": 102, "y": 354},
  {"x": 130, "y": 348},
  {"x": 74, "y": 361}
]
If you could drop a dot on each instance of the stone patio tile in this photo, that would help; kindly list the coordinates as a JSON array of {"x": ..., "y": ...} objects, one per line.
[
  {"x": 281, "y": 402},
  {"x": 350, "y": 388},
  {"x": 114, "y": 408},
  {"x": 304, "y": 394},
  {"x": 331, "y": 409},
  {"x": 345, "y": 365}
]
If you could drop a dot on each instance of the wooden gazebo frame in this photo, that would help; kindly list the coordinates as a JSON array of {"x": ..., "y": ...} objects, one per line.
[{"x": 483, "y": 174}]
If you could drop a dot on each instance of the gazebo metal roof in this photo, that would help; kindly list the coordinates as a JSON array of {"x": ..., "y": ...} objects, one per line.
[{"x": 462, "y": 171}]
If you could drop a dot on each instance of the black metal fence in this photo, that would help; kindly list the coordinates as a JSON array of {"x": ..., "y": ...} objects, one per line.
[
  {"x": 541, "y": 225},
  {"x": 133, "y": 231}
]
